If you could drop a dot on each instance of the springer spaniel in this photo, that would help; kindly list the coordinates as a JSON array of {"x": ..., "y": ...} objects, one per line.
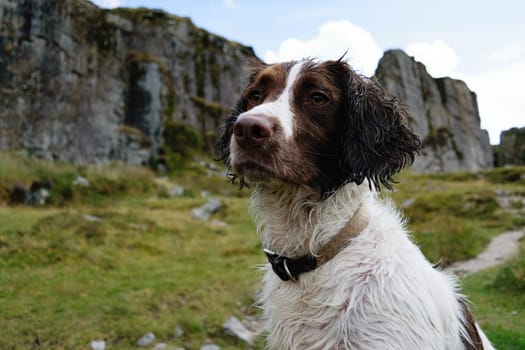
[{"x": 318, "y": 141}]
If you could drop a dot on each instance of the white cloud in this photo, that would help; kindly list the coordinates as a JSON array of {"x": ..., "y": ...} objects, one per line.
[
  {"x": 107, "y": 3},
  {"x": 439, "y": 58},
  {"x": 332, "y": 40}
]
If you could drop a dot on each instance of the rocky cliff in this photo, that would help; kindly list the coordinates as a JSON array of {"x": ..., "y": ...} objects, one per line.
[
  {"x": 445, "y": 115},
  {"x": 78, "y": 83},
  {"x": 512, "y": 147}
]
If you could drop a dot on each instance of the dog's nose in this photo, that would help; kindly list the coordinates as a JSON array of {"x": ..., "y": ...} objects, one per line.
[{"x": 252, "y": 130}]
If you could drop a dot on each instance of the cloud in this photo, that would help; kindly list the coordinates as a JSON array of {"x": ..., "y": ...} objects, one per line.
[
  {"x": 331, "y": 41},
  {"x": 439, "y": 58},
  {"x": 107, "y": 3}
]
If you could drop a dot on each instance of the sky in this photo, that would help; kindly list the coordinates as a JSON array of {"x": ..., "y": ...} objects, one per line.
[{"x": 481, "y": 42}]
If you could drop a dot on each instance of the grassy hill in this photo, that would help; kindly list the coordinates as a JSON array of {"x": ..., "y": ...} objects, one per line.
[{"x": 122, "y": 257}]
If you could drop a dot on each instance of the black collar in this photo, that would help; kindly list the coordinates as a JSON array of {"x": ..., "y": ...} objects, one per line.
[{"x": 290, "y": 268}]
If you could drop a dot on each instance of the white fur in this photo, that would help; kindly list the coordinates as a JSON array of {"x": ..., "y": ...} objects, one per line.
[
  {"x": 280, "y": 109},
  {"x": 378, "y": 293}
]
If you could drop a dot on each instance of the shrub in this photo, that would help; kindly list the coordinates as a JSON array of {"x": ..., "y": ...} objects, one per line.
[
  {"x": 180, "y": 140},
  {"x": 506, "y": 175}
]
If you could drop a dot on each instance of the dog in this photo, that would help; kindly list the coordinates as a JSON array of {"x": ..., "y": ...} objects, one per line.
[{"x": 317, "y": 142}]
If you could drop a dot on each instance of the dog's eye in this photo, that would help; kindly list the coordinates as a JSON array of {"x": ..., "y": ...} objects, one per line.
[
  {"x": 255, "y": 96},
  {"x": 318, "y": 98}
]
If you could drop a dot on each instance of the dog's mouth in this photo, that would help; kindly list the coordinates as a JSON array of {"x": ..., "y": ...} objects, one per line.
[{"x": 253, "y": 170}]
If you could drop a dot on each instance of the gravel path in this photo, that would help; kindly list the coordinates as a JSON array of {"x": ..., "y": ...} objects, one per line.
[{"x": 500, "y": 248}]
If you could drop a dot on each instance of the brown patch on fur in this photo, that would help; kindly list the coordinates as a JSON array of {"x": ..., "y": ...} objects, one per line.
[
  {"x": 269, "y": 81},
  {"x": 474, "y": 343}
]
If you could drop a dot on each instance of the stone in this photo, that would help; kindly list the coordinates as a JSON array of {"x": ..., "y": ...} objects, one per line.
[
  {"x": 92, "y": 218},
  {"x": 408, "y": 202},
  {"x": 235, "y": 328},
  {"x": 179, "y": 332},
  {"x": 97, "y": 345},
  {"x": 176, "y": 191},
  {"x": 204, "y": 212},
  {"x": 159, "y": 346},
  {"x": 146, "y": 339},
  {"x": 210, "y": 347},
  {"x": 444, "y": 115},
  {"x": 81, "y": 181},
  {"x": 38, "y": 196}
]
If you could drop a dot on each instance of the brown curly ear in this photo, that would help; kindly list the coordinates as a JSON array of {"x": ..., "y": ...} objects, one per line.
[{"x": 377, "y": 142}]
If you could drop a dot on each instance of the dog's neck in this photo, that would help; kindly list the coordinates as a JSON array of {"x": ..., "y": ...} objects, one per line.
[{"x": 295, "y": 220}]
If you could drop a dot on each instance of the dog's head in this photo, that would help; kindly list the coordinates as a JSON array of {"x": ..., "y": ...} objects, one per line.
[{"x": 315, "y": 124}]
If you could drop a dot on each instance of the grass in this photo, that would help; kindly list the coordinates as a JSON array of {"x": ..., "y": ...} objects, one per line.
[
  {"x": 499, "y": 302},
  {"x": 145, "y": 265}
]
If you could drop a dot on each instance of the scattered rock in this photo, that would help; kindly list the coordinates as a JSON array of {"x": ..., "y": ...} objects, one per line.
[
  {"x": 176, "y": 191},
  {"x": 235, "y": 328},
  {"x": 204, "y": 212},
  {"x": 210, "y": 347},
  {"x": 179, "y": 332},
  {"x": 81, "y": 181},
  {"x": 92, "y": 218},
  {"x": 37, "y": 197},
  {"x": 407, "y": 202},
  {"x": 160, "y": 346},
  {"x": 98, "y": 345},
  {"x": 205, "y": 194},
  {"x": 146, "y": 340}
]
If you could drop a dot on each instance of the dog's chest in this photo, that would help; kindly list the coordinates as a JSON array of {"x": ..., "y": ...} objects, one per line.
[{"x": 317, "y": 312}]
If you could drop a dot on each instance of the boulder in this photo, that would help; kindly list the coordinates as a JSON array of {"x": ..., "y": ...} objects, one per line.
[{"x": 204, "y": 212}]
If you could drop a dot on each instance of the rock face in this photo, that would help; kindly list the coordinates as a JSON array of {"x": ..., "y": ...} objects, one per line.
[
  {"x": 512, "y": 147},
  {"x": 445, "y": 115},
  {"x": 82, "y": 84}
]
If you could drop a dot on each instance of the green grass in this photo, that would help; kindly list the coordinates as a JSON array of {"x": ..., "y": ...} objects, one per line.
[
  {"x": 135, "y": 271},
  {"x": 499, "y": 302},
  {"x": 146, "y": 265}
]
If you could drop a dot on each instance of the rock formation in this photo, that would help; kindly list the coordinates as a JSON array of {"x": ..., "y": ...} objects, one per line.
[
  {"x": 512, "y": 147},
  {"x": 82, "y": 84},
  {"x": 445, "y": 115}
]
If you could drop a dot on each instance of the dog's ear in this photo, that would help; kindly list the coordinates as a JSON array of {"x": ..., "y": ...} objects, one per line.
[{"x": 376, "y": 142}]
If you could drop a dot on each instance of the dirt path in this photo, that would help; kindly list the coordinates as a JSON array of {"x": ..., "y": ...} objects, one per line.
[{"x": 500, "y": 248}]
